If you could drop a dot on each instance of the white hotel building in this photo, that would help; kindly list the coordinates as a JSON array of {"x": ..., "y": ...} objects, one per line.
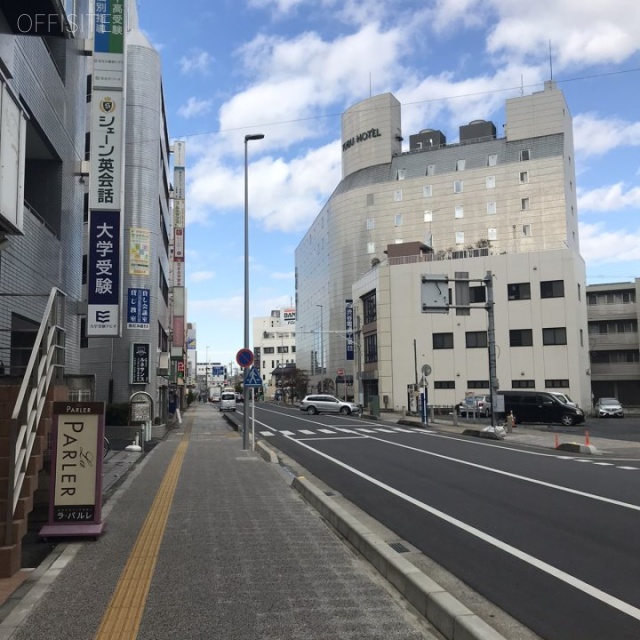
[{"x": 486, "y": 203}]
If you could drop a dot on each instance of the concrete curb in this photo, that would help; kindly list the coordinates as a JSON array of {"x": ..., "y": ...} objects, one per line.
[
  {"x": 575, "y": 447},
  {"x": 266, "y": 452},
  {"x": 446, "y": 613}
]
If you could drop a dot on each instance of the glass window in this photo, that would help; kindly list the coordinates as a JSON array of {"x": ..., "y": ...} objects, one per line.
[
  {"x": 524, "y": 204},
  {"x": 492, "y": 160},
  {"x": 428, "y": 216},
  {"x": 431, "y": 169},
  {"x": 476, "y": 339},
  {"x": 371, "y": 247},
  {"x": 369, "y": 308},
  {"x": 492, "y": 234},
  {"x": 371, "y": 348},
  {"x": 398, "y": 241},
  {"x": 397, "y": 195},
  {"x": 521, "y": 338},
  {"x": 490, "y": 182},
  {"x": 371, "y": 223},
  {"x": 427, "y": 191},
  {"x": 369, "y": 199},
  {"x": 443, "y": 340},
  {"x": 552, "y": 289},
  {"x": 401, "y": 174},
  {"x": 398, "y": 220},
  {"x": 556, "y": 335},
  {"x": 519, "y": 291},
  {"x": 459, "y": 237},
  {"x": 457, "y": 186},
  {"x": 524, "y": 177},
  {"x": 526, "y": 230},
  {"x": 524, "y": 155},
  {"x": 459, "y": 211},
  {"x": 460, "y": 165},
  {"x": 491, "y": 208},
  {"x": 444, "y": 384}
]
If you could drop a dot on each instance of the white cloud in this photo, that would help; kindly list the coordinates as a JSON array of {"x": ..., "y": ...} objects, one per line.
[
  {"x": 289, "y": 275},
  {"x": 201, "y": 276},
  {"x": 194, "y": 108},
  {"x": 597, "y": 245},
  {"x": 595, "y": 136},
  {"x": 196, "y": 61},
  {"x": 610, "y": 198}
]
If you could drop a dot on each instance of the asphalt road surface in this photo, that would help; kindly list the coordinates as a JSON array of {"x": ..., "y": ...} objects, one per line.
[{"x": 551, "y": 539}]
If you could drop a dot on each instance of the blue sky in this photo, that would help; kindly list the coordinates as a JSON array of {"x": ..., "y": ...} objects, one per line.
[{"x": 289, "y": 68}]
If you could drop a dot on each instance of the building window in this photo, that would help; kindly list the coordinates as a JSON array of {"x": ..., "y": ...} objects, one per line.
[
  {"x": 85, "y": 262},
  {"x": 579, "y": 292},
  {"x": 524, "y": 204},
  {"x": 519, "y": 291},
  {"x": 397, "y": 195},
  {"x": 428, "y": 216},
  {"x": 398, "y": 241},
  {"x": 398, "y": 220},
  {"x": 431, "y": 170},
  {"x": 371, "y": 247},
  {"x": 371, "y": 348},
  {"x": 459, "y": 237},
  {"x": 427, "y": 191},
  {"x": 459, "y": 211},
  {"x": 526, "y": 230},
  {"x": 492, "y": 234},
  {"x": 401, "y": 174},
  {"x": 581, "y": 338},
  {"x": 369, "y": 308},
  {"x": 492, "y": 160},
  {"x": 477, "y": 294},
  {"x": 476, "y": 339},
  {"x": 457, "y": 186},
  {"x": 520, "y": 337},
  {"x": 555, "y": 335},
  {"x": 525, "y": 155},
  {"x": 283, "y": 349},
  {"x": 523, "y": 384},
  {"x": 460, "y": 165},
  {"x": 444, "y": 384},
  {"x": 371, "y": 224},
  {"x": 84, "y": 340},
  {"x": 552, "y": 289},
  {"x": 477, "y": 384},
  {"x": 524, "y": 177},
  {"x": 269, "y": 350},
  {"x": 442, "y": 340},
  {"x": 490, "y": 182},
  {"x": 556, "y": 384},
  {"x": 369, "y": 199},
  {"x": 491, "y": 208}
]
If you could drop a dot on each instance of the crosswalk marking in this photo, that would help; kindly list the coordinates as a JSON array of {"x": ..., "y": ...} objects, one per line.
[
  {"x": 326, "y": 431},
  {"x": 344, "y": 430},
  {"x": 365, "y": 430},
  {"x": 383, "y": 430},
  {"x": 307, "y": 432},
  {"x": 287, "y": 433},
  {"x": 403, "y": 430},
  {"x": 267, "y": 433}
]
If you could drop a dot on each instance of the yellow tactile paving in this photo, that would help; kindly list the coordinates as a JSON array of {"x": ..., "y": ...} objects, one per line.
[{"x": 122, "y": 618}]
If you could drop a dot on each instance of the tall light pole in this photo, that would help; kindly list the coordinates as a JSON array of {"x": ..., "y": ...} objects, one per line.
[
  {"x": 245, "y": 421},
  {"x": 321, "y": 347},
  {"x": 206, "y": 373}
]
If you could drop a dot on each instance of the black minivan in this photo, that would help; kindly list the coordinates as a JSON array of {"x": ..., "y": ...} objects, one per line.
[{"x": 540, "y": 406}]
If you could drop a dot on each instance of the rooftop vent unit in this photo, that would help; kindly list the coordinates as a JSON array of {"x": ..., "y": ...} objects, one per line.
[
  {"x": 427, "y": 139},
  {"x": 477, "y": 130}
]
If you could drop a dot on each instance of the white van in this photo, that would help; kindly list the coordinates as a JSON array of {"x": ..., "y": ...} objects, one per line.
[{"x": 228, "y": 401}]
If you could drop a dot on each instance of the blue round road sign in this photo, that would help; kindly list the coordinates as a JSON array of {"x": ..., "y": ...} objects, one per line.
[{"x": 244, "y": 357}]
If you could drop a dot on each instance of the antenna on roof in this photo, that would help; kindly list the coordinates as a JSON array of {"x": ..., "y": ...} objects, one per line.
[{"x": 550, "y": 63}]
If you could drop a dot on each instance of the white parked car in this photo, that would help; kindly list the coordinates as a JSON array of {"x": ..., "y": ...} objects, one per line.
[
  {"x": 609, "y": 407},
  {"x": 322, "y": 403}
]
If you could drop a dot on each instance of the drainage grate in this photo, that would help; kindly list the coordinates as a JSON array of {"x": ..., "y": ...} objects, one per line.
[{"x": 399, "y": 547}]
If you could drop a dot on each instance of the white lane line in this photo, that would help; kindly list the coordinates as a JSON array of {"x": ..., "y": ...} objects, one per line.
[
  {"x": 403, "y": 430},
  {"x": 604, "y": 464},
  {"x": 365, "y": 430},
  {"x": 344, "y": 430},
  {"x": 585, "y": 587},
  {"x": 629, "y": 468},
  {"x": 383, "y": 430},
  {"x": 267, "y": 433},
  {"x": 583, "y": 460},
  {"x": 325, "y": 438},
  {"x": 327, "y": 431},
  {"x": 286, "y": 433},
  {"x": 307, "y": 432}
]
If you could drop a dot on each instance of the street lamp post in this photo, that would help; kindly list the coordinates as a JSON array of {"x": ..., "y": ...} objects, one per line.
[
  {"x": 206, "y": 373},
  {"x": 245, "y": 421},
  {"x": 321, "y": 347}
]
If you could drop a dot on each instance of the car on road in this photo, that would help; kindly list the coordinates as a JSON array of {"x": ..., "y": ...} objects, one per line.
[
  {"x": 228, "y": 401},
  {"x": 322, "y": 403},
  {"x": 609, "y": 407},
  {"x": 475, "y": 405}
]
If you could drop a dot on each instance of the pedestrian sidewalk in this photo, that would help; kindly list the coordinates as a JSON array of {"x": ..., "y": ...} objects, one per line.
[{"x": 206, "y": 540}]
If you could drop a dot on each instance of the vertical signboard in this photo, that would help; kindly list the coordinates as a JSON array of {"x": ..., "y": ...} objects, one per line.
[
  {"x": 178, "y": 256},
  {"x": 106, "y": 170},
  {"x": 103, "y": 277},
  {"x": 139, "y": 252},
  {"x": 75, "y": 503},
  {"x": 348, "y": 326},
  {"x": 140, "y": 362},
  {"x": 138, "y": 305}
]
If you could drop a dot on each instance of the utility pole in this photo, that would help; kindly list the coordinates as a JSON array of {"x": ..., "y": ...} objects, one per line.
[{"x": 491, "y": 343}]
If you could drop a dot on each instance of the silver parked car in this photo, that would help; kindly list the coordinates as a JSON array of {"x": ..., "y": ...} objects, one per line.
[
  {"x": 609, "y": 407},
  {"x": 322, "y": 403}
]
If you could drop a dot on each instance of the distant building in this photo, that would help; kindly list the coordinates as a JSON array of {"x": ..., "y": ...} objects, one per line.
[
  {"x": 505, "y": 204},
  {"x": 614, "y": 346},
  {"x": 274, "y": 345}
]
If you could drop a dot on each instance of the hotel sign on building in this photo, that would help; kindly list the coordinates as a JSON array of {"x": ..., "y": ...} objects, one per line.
[{"x": 106, "y": 170}]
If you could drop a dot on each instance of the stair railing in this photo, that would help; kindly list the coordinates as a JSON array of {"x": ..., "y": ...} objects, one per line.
[{"x": 45, "y": 363}]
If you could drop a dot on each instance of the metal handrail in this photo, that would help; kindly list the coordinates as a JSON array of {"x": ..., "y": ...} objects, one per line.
[{"x": 46, "y": 356}]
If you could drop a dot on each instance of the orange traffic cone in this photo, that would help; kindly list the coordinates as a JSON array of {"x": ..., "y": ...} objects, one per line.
[
  {"x": 586, "y": 438},
  {"x": 557, "y": 442}
]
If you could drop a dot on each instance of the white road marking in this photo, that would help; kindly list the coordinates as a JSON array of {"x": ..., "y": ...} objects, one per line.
[
  {"x": 585, "y": 587},
  {"x": 629, "y": 468},
  {"x": 365, "y": 430},
  {"x": 385, "y": 430},
  {"x": 404, "y": 430},
  {"x": 327, "y": 431},
  {"x": 267, "y": 433},
  {"x": 604, "y": 464},
  {"x": 286, "y": 433},
  {"x": 343, "y": 430},
  {"x": 307, "y": 432}
]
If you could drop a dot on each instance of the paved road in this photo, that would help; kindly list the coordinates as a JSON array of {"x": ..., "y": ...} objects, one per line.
[{"x": 560, "y": 528}]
